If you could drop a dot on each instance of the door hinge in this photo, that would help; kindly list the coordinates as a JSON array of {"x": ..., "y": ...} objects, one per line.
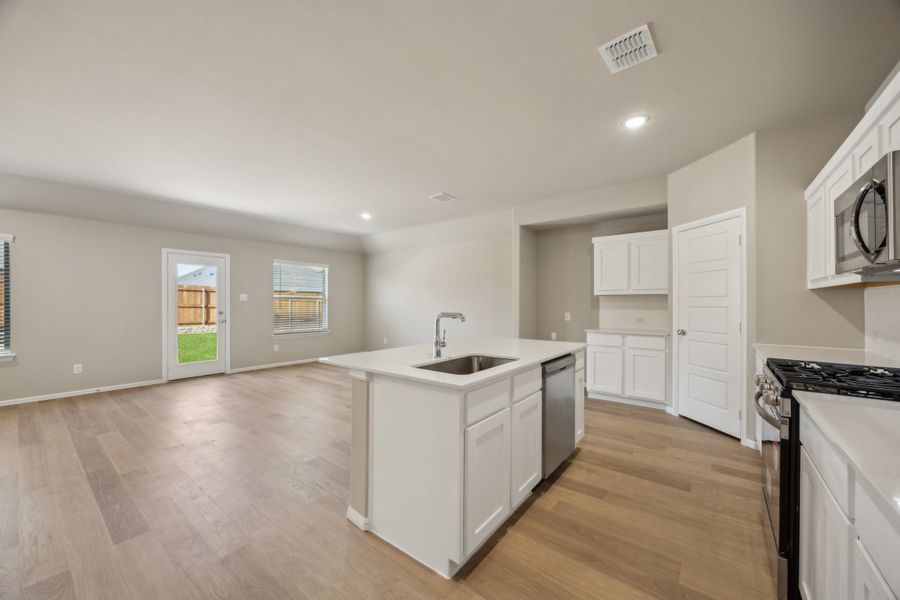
[
  {"x": 740, "y": 239},
  {"x": 740, "y": 327}
]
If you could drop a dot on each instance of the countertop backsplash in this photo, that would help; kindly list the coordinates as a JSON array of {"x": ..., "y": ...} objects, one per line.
[{"x": 883, "y": 320}]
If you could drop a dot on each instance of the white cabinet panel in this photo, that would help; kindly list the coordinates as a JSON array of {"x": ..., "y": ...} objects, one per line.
[
  {"x": 645, "y": 374},
  {"x": 825, "y": 539},
  {"x": 890, "y": 127},
  {"x": 868, "y": 582},
  {"x": 487, "y": 477},
  {"x": 604, "y": 369},
  {"x": 610, "y": 267},
  {"x": 881, "y": 539},
  {"x": 649, "y": 264},
  {"x": 526, "y": 446},
  {"x": 867, "y": 151},
  {"x": 579, "y": 405},
  {"x": 815, "y": 236}
]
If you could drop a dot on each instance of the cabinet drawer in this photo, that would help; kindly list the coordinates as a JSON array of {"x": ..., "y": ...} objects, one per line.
[
  {"x": 879, "y": 536},
  {"x": 487, "y": 400},
  {"x": 604, "y": 339},
  {"x": 526, "y": 383},
  {"x": 869, "y": 582},
  {"x": 834, "y": 470},
  {"x": 579, "y": 360},
  {"x": 646, "y": 342}
]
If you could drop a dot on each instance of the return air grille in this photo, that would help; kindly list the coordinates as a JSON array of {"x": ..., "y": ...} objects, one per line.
[
  {"x": 628, "y": 50},
  {"x": 442, "y": 197}
]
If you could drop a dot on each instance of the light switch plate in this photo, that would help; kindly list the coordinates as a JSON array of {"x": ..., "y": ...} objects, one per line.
[
  {"x": 77, "y": 368},
  {"x": 567, "y": 316},
  {"x": 552, "y": 335},
  {"x": 243, "y": 297},
  {"x": 276, "y": 347}
]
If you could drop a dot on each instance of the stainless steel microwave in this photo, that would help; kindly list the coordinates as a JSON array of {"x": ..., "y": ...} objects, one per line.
[{"x": 867, "y": 220}]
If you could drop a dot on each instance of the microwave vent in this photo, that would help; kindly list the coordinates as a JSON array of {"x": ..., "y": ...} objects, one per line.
[{"x": 628, "y": 50}]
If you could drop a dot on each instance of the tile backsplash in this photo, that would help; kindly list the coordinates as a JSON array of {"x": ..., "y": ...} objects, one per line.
[{"x": 883, "y": 320}]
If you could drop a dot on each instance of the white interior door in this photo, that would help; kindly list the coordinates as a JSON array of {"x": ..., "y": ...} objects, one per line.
[
  {"x": 708, "y": 312},
  {"x": 195, "y": 316}
]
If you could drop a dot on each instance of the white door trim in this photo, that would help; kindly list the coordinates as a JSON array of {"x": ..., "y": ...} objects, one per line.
[
  {"x": 741, "y": 214},
  {"x": 165, "y": 305}
]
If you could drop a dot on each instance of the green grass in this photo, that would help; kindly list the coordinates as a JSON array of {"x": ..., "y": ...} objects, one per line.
[{"x": 194, "y": 347}]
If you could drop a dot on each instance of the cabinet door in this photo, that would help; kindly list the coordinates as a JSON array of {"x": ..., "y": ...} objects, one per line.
[
  {"x": 526, "y": 446},
  {"x": 649, "y": 262},
  {"x": 579, "y": 405},
  {"x": 605, "y": 370},
  {"x": 610, "y": 267},
  {"x": 645, "y": 374},
  {"x": 825, "y": 535},
  {"x": 868, "y": 582},
  {"x": 487, "y": 477},
  {"x": 815, "y": 236}
]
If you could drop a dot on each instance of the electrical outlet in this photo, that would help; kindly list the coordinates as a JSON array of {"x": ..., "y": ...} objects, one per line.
[
  {"x": 77, "y": 368},
  {"x": 276, "y": 347},
  {"x": 385, "y": 341},
  {"x": 552, "y": 335},
  {"x": 243, "y": 297},
  {"x": 640, "y": 320},
  {"x": 567, "y": 316}
]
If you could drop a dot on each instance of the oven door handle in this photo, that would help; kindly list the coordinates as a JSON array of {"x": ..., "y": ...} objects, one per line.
[{"x": 763, "y": 413}]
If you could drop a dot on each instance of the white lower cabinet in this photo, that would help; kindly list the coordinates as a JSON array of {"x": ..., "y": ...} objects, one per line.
[
  {"x": 868, "y": 582},
  {"x": 487, "y": 477},
  {"x": 604, "y": 369},
  {"x": 526, "y": 447},
  {"x": 579, "y": 405},
  {"x": 645, "y": 374},
  {"x": 825, "y": 538}
]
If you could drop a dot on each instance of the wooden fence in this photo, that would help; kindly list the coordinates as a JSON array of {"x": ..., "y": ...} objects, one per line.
[{"x": 197, "y": 305}]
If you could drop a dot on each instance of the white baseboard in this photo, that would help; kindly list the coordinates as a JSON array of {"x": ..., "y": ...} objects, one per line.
[
  {"x": 96, "y": 390},
  {"x": 273, "y": 365},
  {"x": 750, "y": 443},
  {"x": 631, "y": 401},
  {"x": 357, "y": 519}
]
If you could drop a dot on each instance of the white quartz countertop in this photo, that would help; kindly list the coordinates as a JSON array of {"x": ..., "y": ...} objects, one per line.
[
  {"x": 628, "y": 331},
  {"x": 402, "y": 361},
  {"x": 867, "y": 433},
  {"x": 849, "y": 356}
]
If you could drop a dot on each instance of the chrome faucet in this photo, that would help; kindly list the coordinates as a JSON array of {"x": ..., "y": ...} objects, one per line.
[{"x": 440, "y": 342}]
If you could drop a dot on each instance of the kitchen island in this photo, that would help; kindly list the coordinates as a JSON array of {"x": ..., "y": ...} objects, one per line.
[{"x": 440, "y": 460}]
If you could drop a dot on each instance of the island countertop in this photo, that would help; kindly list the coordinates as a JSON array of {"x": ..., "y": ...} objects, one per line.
[{"x": 401, "y": 362}]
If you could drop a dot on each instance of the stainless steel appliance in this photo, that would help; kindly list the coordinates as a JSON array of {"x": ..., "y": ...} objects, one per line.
[
  {"x": 780, "y": 442},
  {"x": 559, "y": 412},
  {"x": 867, "y": 220}
]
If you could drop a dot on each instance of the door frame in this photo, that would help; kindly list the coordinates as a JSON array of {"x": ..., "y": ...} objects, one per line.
[
  {"x": 165, "y": 305},
  {"x": 741, "y": 215}
]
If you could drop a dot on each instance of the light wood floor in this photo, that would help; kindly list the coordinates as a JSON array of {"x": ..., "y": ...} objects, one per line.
[{"x": 235, "y": 487}]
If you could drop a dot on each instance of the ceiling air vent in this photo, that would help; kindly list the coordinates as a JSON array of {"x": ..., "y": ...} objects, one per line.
[
  {"x": 628, "y": 50},
  {"x": 442, "y": 197}
]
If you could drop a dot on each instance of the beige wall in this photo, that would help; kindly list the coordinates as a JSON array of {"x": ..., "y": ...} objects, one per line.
[
  {"x": 461, "y": 265},
  {"x": 528, "y": 278},
  {"x": 788, "y": 157},
  {"x": 564, "y": 259},
  {"x": 91, "y": 292}
]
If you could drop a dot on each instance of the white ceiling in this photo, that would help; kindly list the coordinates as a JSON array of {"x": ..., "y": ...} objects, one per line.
[{"x": 311, "y": 112}]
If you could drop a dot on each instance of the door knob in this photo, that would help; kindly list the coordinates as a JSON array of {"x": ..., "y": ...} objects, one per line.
[{"x": 681, "y": 332}]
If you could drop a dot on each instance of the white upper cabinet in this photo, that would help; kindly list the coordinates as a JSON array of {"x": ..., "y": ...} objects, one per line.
[
  {"x": 636, "y": 263},
  {"x": 876, "y": 134}
]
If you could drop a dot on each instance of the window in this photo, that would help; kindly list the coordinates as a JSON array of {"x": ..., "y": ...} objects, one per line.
[
  {"x": 4, "y": 293},
  {"x": 300, "y": 293}
]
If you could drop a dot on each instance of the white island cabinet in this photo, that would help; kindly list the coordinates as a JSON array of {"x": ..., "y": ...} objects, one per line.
[{"x": 439, "y": 461}]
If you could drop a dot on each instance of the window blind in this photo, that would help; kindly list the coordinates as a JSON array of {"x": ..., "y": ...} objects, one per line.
[
  {"x": 4, "y": 294},
  {"x": 300, "y": 293}
]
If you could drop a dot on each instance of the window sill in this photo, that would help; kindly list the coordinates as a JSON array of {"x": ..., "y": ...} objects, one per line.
[
  {"x": 284, "y": 336},
  {"x": 7, "y": 356}
]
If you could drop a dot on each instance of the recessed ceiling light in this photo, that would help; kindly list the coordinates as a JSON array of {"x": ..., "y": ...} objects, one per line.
[
  {"x": 636, "y": 121},
  {"x": 366, "y": 216}
]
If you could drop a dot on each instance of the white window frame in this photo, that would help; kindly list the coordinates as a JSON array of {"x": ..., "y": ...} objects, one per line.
[
  {"x": 298, "y": 334},
  {"x": 7, "y": 353}
]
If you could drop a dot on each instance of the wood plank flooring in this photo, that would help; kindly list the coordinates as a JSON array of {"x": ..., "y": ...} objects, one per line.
[{"x": 236, "y": 487}]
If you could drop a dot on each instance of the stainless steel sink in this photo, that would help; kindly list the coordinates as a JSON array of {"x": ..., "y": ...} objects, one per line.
[{"x": 466, "y": 365}]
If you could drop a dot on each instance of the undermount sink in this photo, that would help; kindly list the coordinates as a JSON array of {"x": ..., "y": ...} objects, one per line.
[{"x": 466, "y": 365}]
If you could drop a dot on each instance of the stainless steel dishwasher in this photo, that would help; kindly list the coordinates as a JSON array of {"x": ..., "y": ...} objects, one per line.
[{"x": 559, "y": 412}]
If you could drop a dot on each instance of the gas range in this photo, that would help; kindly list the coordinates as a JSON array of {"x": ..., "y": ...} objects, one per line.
[{"x": 835, "y": 378}]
